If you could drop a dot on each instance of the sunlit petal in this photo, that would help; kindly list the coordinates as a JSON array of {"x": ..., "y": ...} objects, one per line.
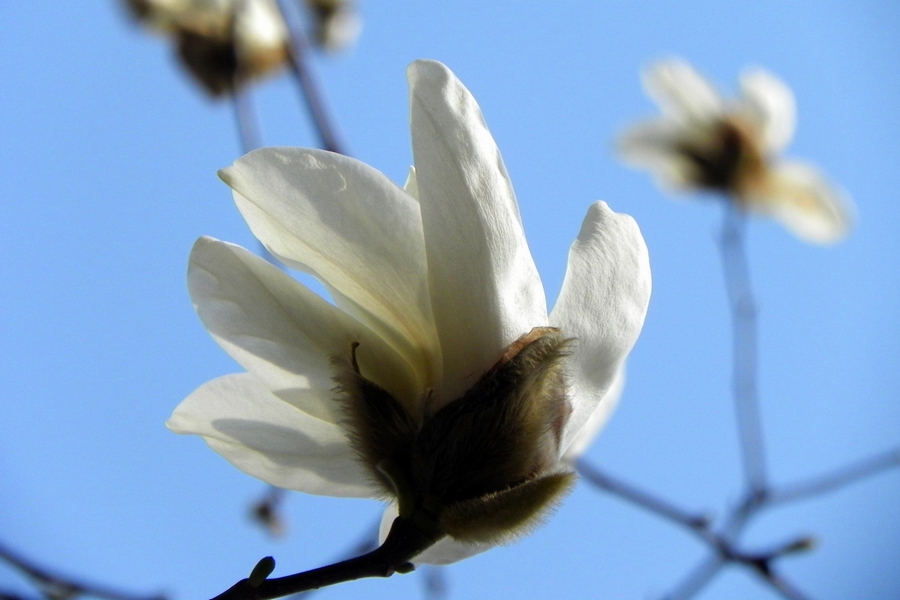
[
  {"x": 805, "y": 202},
  {"x": 355, "y": 230},
  {"x": 602, "y": 304},
  {"x": 282, "y": 332},
  {"x": 682, "y": 92},
  {"x": 485, "y": 289},
  {"x": 772, "y": 103}
]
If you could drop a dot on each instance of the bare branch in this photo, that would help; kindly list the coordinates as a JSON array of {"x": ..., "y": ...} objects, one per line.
[{"x": 53, "y": 585}]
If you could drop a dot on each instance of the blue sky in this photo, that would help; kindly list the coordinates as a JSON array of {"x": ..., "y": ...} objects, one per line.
[{"x": 108, "y": 155}]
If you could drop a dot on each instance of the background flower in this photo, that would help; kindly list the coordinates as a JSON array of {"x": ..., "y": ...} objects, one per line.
[{"x": 706, "y": 142}]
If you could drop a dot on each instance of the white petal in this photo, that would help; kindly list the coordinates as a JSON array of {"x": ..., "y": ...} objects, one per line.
[
  {"x": 772, "y": 104},
  {"x": 652, "y": 146},
  {"x": 602, "y": 304},
  {"x": 485, "y": 288},
  {"x": 799, "y": 196},
  {"x": 355, "y": 230},
  {"x": 584, "y": 438},
  {"x": 283, "y": 333},
  {"x": 682, "y": 92},
  {"x": 270, "y": 439},
  {"x": 444, "y": 552}
]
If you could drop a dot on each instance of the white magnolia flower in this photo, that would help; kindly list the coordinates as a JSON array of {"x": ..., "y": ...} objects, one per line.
[
  {"x": 703, "y": 141},
  {"x": 222, "y": 43},
  {"x": 457, "y": 393}
]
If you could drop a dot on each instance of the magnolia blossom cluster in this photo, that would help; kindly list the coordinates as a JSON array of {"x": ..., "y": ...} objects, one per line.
[
  {"x": 733, "y": 146},
  {"x": 225, "y": 44},
  {"x": 437, "y": 380}
]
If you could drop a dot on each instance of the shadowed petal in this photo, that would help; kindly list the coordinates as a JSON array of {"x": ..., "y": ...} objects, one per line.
[
  {"x": 681, "y": 92},
  {"x": 270, "y": 439},
  {"x": 485, "y": 289},
  {"x": 355, "y": 230},
  {"x": 772, "y": 104},
  {"x": 602, "y": 305},
  {"x": 799, "y": 196},
  {"x": 283, "y": 333}
]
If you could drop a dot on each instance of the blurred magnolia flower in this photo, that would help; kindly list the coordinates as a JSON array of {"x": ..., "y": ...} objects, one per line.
[
  {"x": 437, "y": 379},
  {"x": 337, "y": 23},
  {"x": 222, "y": 43},
  {"x": 733, "y": 146}
]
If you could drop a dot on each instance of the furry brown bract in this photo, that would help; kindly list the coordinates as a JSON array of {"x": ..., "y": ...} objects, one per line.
[{"x": 483, "y": 467}]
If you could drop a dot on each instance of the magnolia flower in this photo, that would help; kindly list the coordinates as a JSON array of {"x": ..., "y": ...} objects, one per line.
[
  {"x": 706, "y": 142},
  {"x": 222, "y": 43},
  {"x": 337, "y": 24},
  {"x": 437, "y": 379}
]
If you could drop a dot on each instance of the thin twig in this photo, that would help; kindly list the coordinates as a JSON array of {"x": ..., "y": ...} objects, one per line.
[
  {"x": 309, "y": 89},
  {"x": 56, "y": 586},
  {"x": 743, "y": 307},
  {"x": 836, "y": 479},
  {"x": 641, "y": 498},
  {"x": 697, "y": 579}
]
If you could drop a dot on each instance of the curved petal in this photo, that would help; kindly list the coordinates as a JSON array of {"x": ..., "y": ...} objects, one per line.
[
  {"x": 283, "y": 333},
  {"x": 444, "y": 552},
  {"x": 585, "y": 437},
  {"x": 681, "y": 92},
  {"x": 798, "y": 195},
  {"x": 355, "y": 230},
  {"x": 272, "y": 440},
  {"x": 485, "y": 289},
  {"x": 772, "y": 104},
  {"x": 602, "y": 305}
]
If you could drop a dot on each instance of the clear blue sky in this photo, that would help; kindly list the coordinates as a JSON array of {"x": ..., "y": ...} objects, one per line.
[{"x": 108, "y": 156}]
